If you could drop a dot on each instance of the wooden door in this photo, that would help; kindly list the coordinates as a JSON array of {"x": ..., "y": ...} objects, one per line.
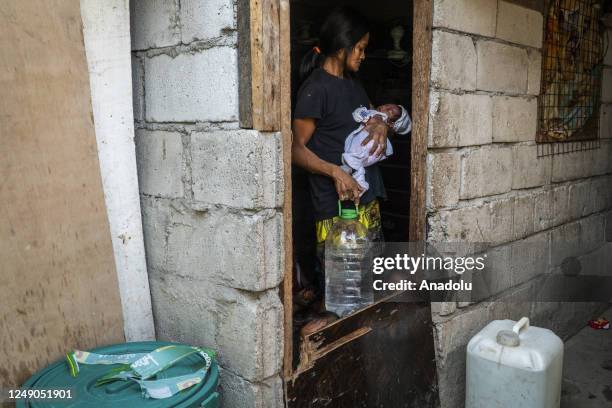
[{"x": 381, "y": 356}]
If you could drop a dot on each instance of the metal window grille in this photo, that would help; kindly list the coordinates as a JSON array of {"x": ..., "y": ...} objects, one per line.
[{"x": 570, "y": 94}]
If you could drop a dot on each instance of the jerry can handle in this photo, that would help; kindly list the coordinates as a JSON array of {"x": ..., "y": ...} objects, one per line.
[
  {"x": 340, "y": 207},
  {"x": 521, "y": 324}
]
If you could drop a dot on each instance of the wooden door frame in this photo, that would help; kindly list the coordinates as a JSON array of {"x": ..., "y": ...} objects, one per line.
[{"x": 264, "y": 41}]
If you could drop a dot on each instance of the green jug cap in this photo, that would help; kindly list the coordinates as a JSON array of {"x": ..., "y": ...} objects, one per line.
[{"x": 348, "y": 213}]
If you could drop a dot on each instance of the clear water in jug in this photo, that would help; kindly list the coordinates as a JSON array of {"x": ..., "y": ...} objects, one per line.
[{"x": 348, "y": 279}]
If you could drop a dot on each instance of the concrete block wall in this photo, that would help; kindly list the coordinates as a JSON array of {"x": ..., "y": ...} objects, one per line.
[
  {"x": 211, "y": 196},
  {"x": 486, "y": 183}
]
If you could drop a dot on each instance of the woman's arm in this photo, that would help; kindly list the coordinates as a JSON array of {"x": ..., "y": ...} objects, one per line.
[{"x": 346, "y": 186}]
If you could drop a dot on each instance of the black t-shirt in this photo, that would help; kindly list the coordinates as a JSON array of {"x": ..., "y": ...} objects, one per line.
[{"x": 331, "y": 101}]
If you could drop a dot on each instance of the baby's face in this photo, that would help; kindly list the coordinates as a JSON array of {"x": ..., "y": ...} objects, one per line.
[{"x": 392, "y": 111}]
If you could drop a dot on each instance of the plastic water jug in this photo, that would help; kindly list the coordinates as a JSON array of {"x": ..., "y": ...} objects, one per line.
[
  {"x": 348, "y": 280},
  {"x": 513, "y": 365}
]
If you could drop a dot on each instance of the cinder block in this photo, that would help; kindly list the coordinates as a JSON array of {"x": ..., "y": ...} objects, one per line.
[
  {"x": 237, "y": 250},
  {"x": 501, "y": 216},
  {"x": 438, "y": 134},
  {"x": 513, "y": 304},
  {"x": 470, "y": 16},
  {"x": 519, "y": 25},
  {"x": 576, "y": 239},
  {"x": 155, "y": 221},
  {"x": 160, "y": 163},
  {"x": 485, "y": 223},
  {"x": 443, "y": 308},
  {"x": 524, "y": 208},
  {"x": 495, "y": 277},
  {"x": 530, "y": 257},
  {"x": 608, "y": 56},
  {"x": 601, "y": 162},
  {"x": 182, "y": 313},
  {"x": 138, "y": 88},
  {"x": 597, "y": 263},
  {"x": 571, "y": 166},
  {"x": 606, "y": 85},
  {"x": 246, "y": 329},
  {"x": 606, "y": 155},
  {"x": 605, "y": 123},
  {"x": 601, "y": 193},
  {"x": 154, "y": 23},
  {"x": 514, "y": 119},
  {"x": 468, "y": 224},
  {"x": 236, "y": 392},
  {"x": 564, "y": 318},
  {"x": 443, "y": 179},
  {"x": 543, "y": 210},
  {"x": 528, "y": 169},
  {"x": 237, "y": 168},
  {"x": 593, "y": 231},
  {"x": 534, "y": 72},
  {"x": 205, "y": 19},
  {"x": 251, "y": 333},
  {"x": 460, "y": 120},
  {"x": 580, "y": 203},
  {"x": 501, "y": 67},
  {"x": 561, "y": 211},
  {"x": 192, "y": 87},
  {"x": 455, "y": 333},
  {"x": 486, "y": 171},
  {"x": 453, "y": 63}
]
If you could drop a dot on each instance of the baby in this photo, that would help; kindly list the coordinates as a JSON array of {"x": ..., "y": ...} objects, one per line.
[{"x": 357, "y": 157}]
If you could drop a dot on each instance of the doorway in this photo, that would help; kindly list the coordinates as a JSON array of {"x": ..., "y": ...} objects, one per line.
[
  {"x": 386, "y": 75},
  {"x": 390, "y": 341}
]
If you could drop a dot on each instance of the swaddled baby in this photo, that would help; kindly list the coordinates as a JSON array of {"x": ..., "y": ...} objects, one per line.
[{"x": 357, "y": 157}]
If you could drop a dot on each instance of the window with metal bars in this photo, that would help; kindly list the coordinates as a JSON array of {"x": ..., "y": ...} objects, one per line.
[{"x": 570, "y": 95}]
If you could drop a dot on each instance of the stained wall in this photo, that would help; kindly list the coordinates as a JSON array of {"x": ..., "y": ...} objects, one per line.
[{"x": 59, "y": 287}]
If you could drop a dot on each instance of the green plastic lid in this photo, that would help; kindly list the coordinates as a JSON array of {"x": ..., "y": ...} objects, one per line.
[
  {"x": 84, "y": 393},
  {"x": 348, "y": 213}
]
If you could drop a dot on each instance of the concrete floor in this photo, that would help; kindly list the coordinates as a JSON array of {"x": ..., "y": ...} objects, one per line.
[{"x": 587, "y": 369}]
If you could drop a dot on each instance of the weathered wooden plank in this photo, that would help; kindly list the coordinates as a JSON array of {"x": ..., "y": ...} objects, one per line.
[
  {"x": 245, "y": 96},
  {"x": 259, "y": 56},
  {"x": 421, "y": 40},
  {"x": 271, "y": 66},
  {"x": 257, "y": 68},
  {"x": 285, "y": 124}
]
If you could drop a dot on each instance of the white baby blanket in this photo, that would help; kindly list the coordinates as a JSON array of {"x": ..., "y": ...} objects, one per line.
[{"x": 357, "y": 157}]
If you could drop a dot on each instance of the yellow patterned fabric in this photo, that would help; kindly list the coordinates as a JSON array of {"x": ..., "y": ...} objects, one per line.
[{"x": 369, "y": 216}]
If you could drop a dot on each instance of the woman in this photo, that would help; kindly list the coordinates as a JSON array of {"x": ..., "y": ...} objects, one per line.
[{"x": 323, "y": 119}]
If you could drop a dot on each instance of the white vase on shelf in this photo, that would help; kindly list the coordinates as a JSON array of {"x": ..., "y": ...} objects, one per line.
[{"x": 397, "y": 53}]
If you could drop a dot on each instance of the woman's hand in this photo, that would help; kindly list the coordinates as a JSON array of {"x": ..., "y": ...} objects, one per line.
[
  {"x": 377, "y": 130},
  {"x": 346, "y": 186}
]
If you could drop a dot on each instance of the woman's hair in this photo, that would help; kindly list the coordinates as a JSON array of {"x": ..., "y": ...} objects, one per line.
[{"x": 342, "y": 29}]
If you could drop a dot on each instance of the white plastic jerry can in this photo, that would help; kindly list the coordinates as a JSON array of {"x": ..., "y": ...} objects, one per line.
[{"x": 513, "y": 365}]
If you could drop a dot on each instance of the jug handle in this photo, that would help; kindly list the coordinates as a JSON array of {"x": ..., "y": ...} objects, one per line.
[{"x": 521, "y": 324}]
